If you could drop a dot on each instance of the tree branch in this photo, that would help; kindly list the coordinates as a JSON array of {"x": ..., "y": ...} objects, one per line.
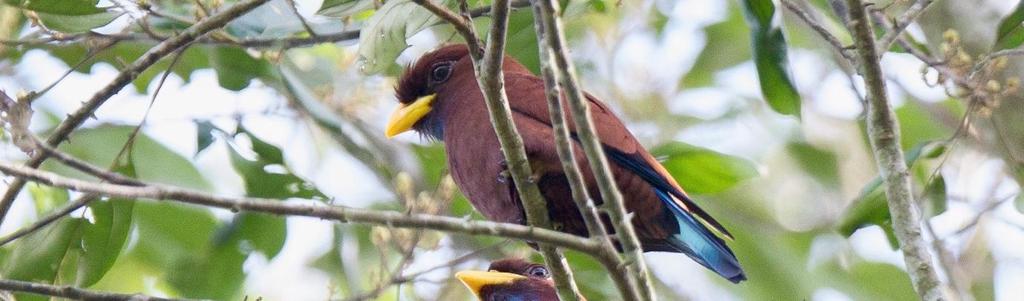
[
  {"x": 884, "y": 133},
  {"x": 492, "y": 83},
  {"x": 563, "y": 146},
  {"x": 614, "y": 204},
  {"x": 567, "y": 157},
  {"x": 337, "y": 213},
  {"x": 71, "y": 292},
  {"x": 123, "y": 78}
]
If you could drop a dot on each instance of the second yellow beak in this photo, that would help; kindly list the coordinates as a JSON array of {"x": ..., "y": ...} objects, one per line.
[
  {"x": 403, "y": 118},
  {"x": 476, "y": 280}
]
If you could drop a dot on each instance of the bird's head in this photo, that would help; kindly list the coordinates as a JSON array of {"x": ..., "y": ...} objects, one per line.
[
  {"x": 419, "y": 85},
  {"x": 511, "y": 279},
  {"x": 435, "y": 78}
]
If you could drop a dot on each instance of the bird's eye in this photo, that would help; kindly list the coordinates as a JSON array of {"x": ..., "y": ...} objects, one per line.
[
  {"x": 538, "y": 271},
  {"x": 440, "y": 72}
]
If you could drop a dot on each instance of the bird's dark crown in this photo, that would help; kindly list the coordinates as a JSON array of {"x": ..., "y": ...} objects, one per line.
[
  {"x": 520, "y": 267},
  {"x": 414, "y": 83}
]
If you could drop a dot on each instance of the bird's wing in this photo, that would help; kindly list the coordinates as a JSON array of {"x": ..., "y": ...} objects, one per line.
[{"x": 619, "y": 144}]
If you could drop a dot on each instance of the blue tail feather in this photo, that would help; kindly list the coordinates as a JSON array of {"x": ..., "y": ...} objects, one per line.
[{"x": 696, "y": 241}]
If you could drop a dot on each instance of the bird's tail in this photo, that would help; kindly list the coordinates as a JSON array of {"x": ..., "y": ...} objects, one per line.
[{"x": 698, "y": 242}]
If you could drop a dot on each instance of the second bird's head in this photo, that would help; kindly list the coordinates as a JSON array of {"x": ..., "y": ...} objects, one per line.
[
  {"x": 437, "y": 78},
  {"x": 511, "y": 279}
]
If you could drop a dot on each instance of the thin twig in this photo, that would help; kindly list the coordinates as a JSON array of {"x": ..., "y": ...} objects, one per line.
[
  {"x": 88, "y": 57},
  {"x": 991, "y": 56},
  {"x": 83, "y": 166},
  {"x": 311, "y": 209},
  {"x": 71, "y": 292},
  {"x": 380, "y": 159},
  {"x": 50, "y": 218},
  {"x": 933, "y": 63},
  {"x": 397, "y": 278},
  {"x": 295, "y": 10},
  {"x": 129, "y": 144},
  {"x": 821, "y": 30},
  {"x": 587, "y": 134},
  {"x": 462, "y": 26},
  {"x": 900, "y": 24},
  {"x": 884, "y": 133},
  {"x": 122, "y": 79}
]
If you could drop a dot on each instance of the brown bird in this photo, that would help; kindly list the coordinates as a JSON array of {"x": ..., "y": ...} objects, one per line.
[
  {"x": 441, "y": 100},
  {"x": 511, "y": 279}
]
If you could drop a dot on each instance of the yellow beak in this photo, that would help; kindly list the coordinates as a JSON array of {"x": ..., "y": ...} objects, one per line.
[
  {"x": 476, "y": 280},
  {"x": 407, "y": 115}
]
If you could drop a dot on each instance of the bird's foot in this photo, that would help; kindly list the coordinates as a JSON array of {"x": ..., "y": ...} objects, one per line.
[
  {"x": 503, "y": 176},
  {"x": 534, "y": 178}
]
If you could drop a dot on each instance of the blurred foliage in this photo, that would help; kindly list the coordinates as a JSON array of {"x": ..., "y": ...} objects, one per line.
[
  {"x": 792, "y": 192},
  {"x": 770, "y": 57},
  {"x": 727, "y": 45},
  {"x": 703, "y": 171},
  {"x": 1011, "y": 29},
  {"x": 70, "y": 16}
]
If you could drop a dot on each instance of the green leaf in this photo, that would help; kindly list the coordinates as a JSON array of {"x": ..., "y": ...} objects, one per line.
[
  {"x": 598, "y": 5},
  {"x": 235, "y": 67},
  {"x": 727, "y": 45},
  {"x": 59, "y": 7},
  {"x": 433, "y": 162},
  {"x": 522, "y": 39},
  {"x": 71, "y": 16},
  {"x": 204, "y": 135},
  {"x": 819, "y": 163},
  {"x": 1011, "y": 30},
  {"x": 658, "y": 20},
  {"x": 194, "y": 58},
  {"x": 871, "y": 207},
  {"x": 164, "y": 237},
  {"x": 343, "y": 8},
  {"x": 872, "y": 281},
  {"x": 263, "y": 232},
  {"x": 935, "y": 194},
  {"x": 103, "y": 239},
  {"x": 76, "y": 23},
  {"x": 769, "y": 46},
  {"x": 153, "y": 162},
  {"x": 917, "y": 126},
  {"x": 214, "y": 273},
  {"x": 384, "y": 36},
  {"x": 267, "y": 176},
  {"x": 703, "y": 171},
  {"x": 47, "y": 198},
  {"x": 331, "y": 264},
  {"x": 268, "y": 153},
  {"x": 38, "y": 256}
]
